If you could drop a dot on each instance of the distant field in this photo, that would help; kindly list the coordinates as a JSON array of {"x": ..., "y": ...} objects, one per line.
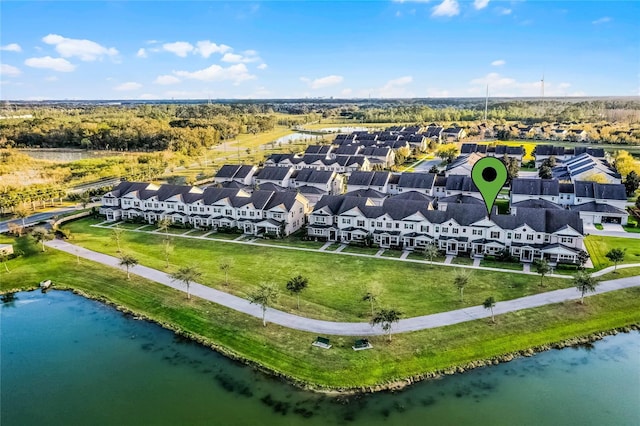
[{"x": 598, "y": 247}]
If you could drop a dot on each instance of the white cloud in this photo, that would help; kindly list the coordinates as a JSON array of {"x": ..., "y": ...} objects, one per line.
[
  {"x": 602, "y": 20},
  {"x": 130, "y": 85},
  {"x": 395, "y": 88},
  {"x": 12, "y": 47},
  {"x": 322, "y": 82},
  {"x": 480, "y": 4},
  {"x": 86, "y": 50},
  {"x": 498, "y": 63},
  {"x": 180, "y": 48},
  {"x": 262, "y": 66},
  {"x": 166, "y": 79},
  {"x": 446, "y": 8},
  {"x": 249, "y": 56},
  {"x": 504, "y": 11},
  {"x": 235, "y": 73},
  {"x": 142, "y": 53},
  {"x": 9, "y": 71},
  {"x": 56, "y": 64},
  {"x": 206, "y": 48}
]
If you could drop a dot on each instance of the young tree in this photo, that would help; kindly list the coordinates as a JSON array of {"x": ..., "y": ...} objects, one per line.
[
  {"x": 128, "y": 261},
  {"x": 164, "y": 224},
  {"x": 616, "y": 255},
  {"x": 295, "y": 286},
  {"x": 225, "y": 266},
  {"x": 370, "y": 296},
  {"x": 460, "y": 280},
  {"x": 266, "y": 295},
  {"x": 116, "y": 236},
  {"x": 386, "y": 318},
  {"x": 542, "y": 268},
  {"x": 188, "y": 275},
  {"x": 167, "y": 249},
  {"x": 513, "y": 167},
  {"x": 21, "y": 213},
  {"x": 430, "y": 251},
  {"x": 583, "y": 256},
  {"x": 584, "y": 282},
  {"x": 489, "y": 303},
  {"x": 41, "y": 235},
  {"x": 84, "y": 198}
]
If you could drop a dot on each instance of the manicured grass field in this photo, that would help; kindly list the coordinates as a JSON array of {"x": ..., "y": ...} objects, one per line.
[
  {"x": 462, "y": 260},
  {"x": 290, "y": 352},
  {"x": 502, "y": 265},
  {"x": 599, "y": 246},
  {"x": 337, "y": 281}
]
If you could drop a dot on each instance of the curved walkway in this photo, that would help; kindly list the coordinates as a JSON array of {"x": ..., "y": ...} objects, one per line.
[{"x": 348, "y": 328}]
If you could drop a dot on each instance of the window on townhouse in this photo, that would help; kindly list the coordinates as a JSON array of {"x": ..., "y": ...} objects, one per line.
[
  {"x": 529, "y": 237},
  {"x": 360, "y": 223},
  {"x": 495, "y": 234},
  {"x": 509, "y": 235},
  {"x": 477, "y": 232},
  {"x": 228, "y": 212},
  {"x": 445, "y": 230},
  {"x": 379, "y": 224},
  {"x": 437, "y": 229},
  {"x": 455, "y": 230},
  {"x": 243, "y": 213},
  {"x": 181, "y": 208},
  {"x": 389, "y": 225},
  {"x": 155, "y": 205},
  {"x": 518, "y": 236},
  {"x": 566, "y": 240},
  {"x": 251, "y": 214},
  {"x": 397, "y": 226},
  {"x": 547, "y": 239}
]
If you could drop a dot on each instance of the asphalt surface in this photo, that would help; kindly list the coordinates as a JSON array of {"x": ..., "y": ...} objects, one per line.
[{"x": 348, "y": 328}]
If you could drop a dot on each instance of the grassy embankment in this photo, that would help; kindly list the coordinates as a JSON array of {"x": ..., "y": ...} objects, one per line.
[
  {"x": 337, "y": 282},
  {"x": 288, "y": 352}
]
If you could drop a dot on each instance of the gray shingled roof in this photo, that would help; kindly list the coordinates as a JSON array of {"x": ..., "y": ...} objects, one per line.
[
  {"x": 597, "y": 207},
  {"x": 272, "y": 173},
  {"x": 461, "y": 183},
  {"x": 228, "y": 171},
  {"x": 417, "y": 180},
  {"x": 600, "y": 191},
  {"x": 535, "y": 186}
]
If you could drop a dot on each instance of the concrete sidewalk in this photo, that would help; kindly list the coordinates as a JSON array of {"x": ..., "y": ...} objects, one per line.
[{"x": 347, "y": 328}]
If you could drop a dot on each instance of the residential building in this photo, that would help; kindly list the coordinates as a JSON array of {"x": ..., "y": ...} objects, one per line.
[{"x": 257, "y": 213}]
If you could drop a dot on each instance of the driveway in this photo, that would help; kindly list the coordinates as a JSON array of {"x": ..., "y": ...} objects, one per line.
[{"x": 612, "y": 227}]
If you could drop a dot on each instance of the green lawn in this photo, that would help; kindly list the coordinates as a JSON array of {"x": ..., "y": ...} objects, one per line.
[
  {"x": 392, "y": 253},
  {"x": 462, "y": 260},
  {"x": 360, "y": 250},
  {"x": 502, "y": 265},
  {"x": 599, "y": 246},
  {"x": 337, "y": 282},
  {"x": 290, "y": 353}
]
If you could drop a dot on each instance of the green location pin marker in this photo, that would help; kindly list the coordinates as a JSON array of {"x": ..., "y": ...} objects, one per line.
[{"x": 489, "y": 174}]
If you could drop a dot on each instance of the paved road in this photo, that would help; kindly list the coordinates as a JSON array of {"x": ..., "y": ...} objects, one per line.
[
  {"x": 347, "y": 328},
  {"x": 35, "y": 218}
]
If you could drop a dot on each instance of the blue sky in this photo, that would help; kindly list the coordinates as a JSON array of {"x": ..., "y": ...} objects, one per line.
[{"x": 279, "y": 49}]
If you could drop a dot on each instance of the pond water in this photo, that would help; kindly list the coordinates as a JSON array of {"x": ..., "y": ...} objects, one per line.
[
  {"x": 67, "y": 360},
  {"x": 297, "y": 137},
  {"x": 67, "y": 155},
  {"x": 345, "y": 129}
]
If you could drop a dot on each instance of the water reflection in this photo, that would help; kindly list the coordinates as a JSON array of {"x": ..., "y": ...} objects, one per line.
[{"x": 91, "y": 364}]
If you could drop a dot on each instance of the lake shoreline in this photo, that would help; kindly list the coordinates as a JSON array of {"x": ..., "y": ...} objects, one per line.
[{"x": 391, "y": 386}]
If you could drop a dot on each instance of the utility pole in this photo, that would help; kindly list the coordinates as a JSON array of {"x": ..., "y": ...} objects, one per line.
[{"x": 486, "y": 104}]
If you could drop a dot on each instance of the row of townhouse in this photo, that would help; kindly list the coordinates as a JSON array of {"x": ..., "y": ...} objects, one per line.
[
  {"x": 498, "y": 151},
  {"x": 527, "y": 233},
  {"x": 562, "y": 154},
  {"x": 429, "y": 184},
  {"x": 259, "y": 212},
  {"x": 311, "y": 183},
  {"x": 340, "y": 164},
  {"x": 381, "y": 155},
  {"x": 595, "y": 202}
]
